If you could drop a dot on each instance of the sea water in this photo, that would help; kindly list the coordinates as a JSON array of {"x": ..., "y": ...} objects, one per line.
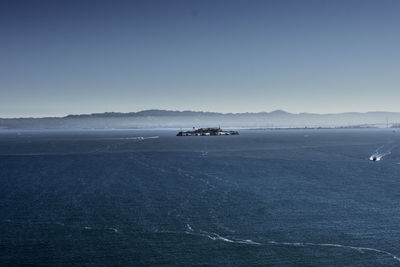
[{"x": 265, "y": 197}]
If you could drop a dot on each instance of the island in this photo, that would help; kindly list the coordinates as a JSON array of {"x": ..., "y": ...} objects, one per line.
[{"x": 206, "y": 132}]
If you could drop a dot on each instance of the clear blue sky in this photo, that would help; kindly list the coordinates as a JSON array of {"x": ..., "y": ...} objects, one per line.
[{"x": 63, "y": 57}]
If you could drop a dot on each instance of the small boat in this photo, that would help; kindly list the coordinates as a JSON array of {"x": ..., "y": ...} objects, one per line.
[{"x": 375, "y": 158}]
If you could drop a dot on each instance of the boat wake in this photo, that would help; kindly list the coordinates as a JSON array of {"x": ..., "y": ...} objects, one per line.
[
  {"x": 217, "y": 237},
  {"x": 214, "y": 236},
  {"x": 130, "y": 138},
  {"x": 359, "y": 249},
  {"x": 115, "y": 230},
  {"x": 381, "y": 152}
]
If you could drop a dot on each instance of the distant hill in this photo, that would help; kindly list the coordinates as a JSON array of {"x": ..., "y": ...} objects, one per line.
[{"x": 188, "y": 119}]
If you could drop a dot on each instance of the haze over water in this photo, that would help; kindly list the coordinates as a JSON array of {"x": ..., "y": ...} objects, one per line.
[{"x": 287, "y": 197}]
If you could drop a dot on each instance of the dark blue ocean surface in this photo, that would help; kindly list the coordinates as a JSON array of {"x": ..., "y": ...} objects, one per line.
[{"x": 282, "y": 197}]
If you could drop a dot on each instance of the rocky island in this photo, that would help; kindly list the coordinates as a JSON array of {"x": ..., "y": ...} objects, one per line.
[{"x": 206, "y": 132}]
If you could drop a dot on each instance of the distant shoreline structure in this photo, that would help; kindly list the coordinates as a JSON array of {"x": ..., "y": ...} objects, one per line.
[{"x": 207, "y": 132}]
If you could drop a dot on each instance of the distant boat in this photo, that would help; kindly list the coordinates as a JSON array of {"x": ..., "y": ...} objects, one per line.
[
  {"x": 375, "y": 158},
  {"x": 207, "y": 132}
]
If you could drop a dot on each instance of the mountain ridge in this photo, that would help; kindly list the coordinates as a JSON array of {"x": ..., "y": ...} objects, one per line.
[
  {"x": 157, "y": 118},
  {"x": 164, "y": 112}
]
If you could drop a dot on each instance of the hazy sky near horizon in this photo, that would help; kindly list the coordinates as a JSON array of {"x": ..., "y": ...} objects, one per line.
[{"x": 68, "y": 57}]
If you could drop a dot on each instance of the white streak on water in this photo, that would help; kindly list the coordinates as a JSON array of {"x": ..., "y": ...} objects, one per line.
[
  {"x": 217, "y": 237},
  {"x": 359, "y": 249},
  {"x": 128, "y": 138},
  {"x": 382, "y": 151},
  {"x": 115, "y": 230}
]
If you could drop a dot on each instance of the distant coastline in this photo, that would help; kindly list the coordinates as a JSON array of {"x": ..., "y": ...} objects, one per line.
[{"x": 278, "y": 119}]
